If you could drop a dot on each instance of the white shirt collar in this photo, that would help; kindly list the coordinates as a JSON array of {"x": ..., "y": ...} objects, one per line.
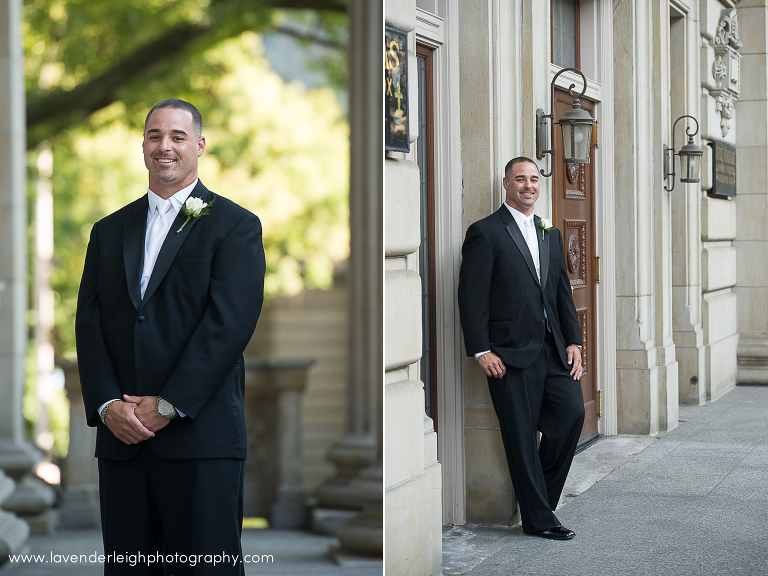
[
  {"x": 520, "y": 218},
  {"x": 176, "y": 200}
]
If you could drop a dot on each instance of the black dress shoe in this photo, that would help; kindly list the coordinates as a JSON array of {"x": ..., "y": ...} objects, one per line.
[{"x": 556, "y": 533}]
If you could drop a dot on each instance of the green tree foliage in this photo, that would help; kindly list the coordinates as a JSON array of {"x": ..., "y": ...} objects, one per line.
[
  {"x": 82, "y": 55},
  {"x": 274, "y": 147}
]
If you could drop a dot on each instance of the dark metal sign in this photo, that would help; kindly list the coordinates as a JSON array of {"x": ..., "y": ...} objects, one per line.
[
  {"x": 723, "y": 169},
  {"x": 396, "y": 90}
]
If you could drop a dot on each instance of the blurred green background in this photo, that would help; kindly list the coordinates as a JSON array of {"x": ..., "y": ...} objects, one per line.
[{"x": 269, "y": 77}]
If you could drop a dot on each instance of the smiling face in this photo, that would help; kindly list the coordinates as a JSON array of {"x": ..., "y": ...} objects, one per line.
[
  {"x": 171, "y": 149},
  {"x": 522, "y": 186}
]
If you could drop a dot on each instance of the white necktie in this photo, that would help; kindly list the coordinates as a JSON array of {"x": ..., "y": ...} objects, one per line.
[
  {"x": 529, "y": 233},
  {"x": 158, "y": 229}
]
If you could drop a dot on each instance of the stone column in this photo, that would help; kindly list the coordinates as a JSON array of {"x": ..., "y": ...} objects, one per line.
[
  {"x": 360, "y": 452},
  {"x": 413, "y": 475},
  {"x": 80, "y": 475},
  {"x": 657, "y": 90},
  {"x": 752, "y": 200},
  {"x": 683, "y": 53},
  {"x": 273, "y": 393},
  {"x": 16, "y": 454},
  {"x": 646, "y": 369}
]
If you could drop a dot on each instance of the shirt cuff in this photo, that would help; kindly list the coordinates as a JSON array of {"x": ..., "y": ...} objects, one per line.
[
  {"x": 107, "y": 402},
  {"x": 477, "y": 356}
]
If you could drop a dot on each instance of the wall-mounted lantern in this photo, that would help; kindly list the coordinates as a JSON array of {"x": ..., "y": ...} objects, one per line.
[
  {"x": 576, "y": 125},
  {"x": 690, "y": 158}
]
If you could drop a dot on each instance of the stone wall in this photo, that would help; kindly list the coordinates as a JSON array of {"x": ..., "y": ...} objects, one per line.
[
  {"x": 412, "y": 472},
  {"x": 751, "y": 238}
]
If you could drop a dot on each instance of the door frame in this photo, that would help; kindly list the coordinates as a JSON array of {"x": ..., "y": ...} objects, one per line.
[{"x": 442, "y": 37}]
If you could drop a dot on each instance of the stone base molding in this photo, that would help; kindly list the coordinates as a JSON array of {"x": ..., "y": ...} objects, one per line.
[
  {"x": 364, "y": 534},
  {"x": 13, "y": 532},
  {"x": 351, "y": 454},
  {"x": 753, "y": 358}
]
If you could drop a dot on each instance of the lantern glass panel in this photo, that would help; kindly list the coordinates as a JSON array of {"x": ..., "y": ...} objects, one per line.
[
  {"x": 689, "y": 165},
  {"x": 577, "y": 139}
]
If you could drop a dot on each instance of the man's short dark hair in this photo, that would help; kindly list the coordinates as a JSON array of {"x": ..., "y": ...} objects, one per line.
[
  {"x": 176, "y": 104},
  {"x": 518, "y": 160}
]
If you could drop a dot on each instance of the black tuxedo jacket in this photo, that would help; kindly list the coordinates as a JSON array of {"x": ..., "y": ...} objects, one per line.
[
  {"x": 185, "y": 339},
  {"x": 501, "y": 302}
]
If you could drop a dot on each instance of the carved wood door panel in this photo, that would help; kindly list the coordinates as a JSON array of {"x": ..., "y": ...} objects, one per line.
[{"x": 573, "y": 204}]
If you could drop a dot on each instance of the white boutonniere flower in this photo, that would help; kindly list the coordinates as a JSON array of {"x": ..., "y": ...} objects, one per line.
[
  {"x": 545, "y": 225},
  {"x": 194, "y": 208}
]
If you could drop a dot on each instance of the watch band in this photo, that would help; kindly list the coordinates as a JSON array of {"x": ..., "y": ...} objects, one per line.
[{"x": 103, "y": 413}]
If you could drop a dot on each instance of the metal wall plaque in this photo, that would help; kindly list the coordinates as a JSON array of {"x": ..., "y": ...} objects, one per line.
[
  {"x": 723, "y": 169},
  {"x": 396, "y": 90}
]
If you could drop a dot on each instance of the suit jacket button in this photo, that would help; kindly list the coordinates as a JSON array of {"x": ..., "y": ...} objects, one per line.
[{"x": 141, "y": 318}]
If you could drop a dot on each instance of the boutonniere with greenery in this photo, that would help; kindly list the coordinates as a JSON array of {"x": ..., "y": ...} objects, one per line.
[
  {"x": 194, "y": 208},
  {"x": 545, "y": 225}
]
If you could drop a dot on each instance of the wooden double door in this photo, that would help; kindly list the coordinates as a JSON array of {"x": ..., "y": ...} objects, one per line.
[{"x": 573, "y": 211}]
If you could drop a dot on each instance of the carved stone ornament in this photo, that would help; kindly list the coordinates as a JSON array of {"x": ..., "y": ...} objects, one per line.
[
  {"x": 728, "y": 29},
  {"x": 726, "y": 107},
  {"x": 574, "y": 254},
  {"x": 719, "y": 71},
  {"x": 726, "y": 68}
]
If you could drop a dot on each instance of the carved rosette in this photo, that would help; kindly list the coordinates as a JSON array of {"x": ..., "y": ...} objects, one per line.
[
  {"x": 574, "y": 254},
  {"x": 576, "y": 232},
  {"x": 572, "y": 171},
  {"x": 726, "y": 68}
]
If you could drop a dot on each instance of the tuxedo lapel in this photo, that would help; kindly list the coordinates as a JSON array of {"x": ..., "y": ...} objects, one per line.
[
  {"x": 543, "y": 251},
  {"x": 134, "y": 229},
  {"x": 172, "y": 243},
  {"x": 517, "y": 236}
]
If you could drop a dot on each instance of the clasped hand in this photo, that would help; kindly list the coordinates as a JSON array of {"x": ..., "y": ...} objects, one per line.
[
  {"x": 135, "y": 418},
  {"x": 494, "y": 367}
]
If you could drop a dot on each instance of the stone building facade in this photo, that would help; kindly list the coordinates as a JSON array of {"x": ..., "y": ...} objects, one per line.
[{"x": 671, "y": 283}]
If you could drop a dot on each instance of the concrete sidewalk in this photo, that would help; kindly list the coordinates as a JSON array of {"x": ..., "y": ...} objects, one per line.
[{"x": 693, "y": 502}]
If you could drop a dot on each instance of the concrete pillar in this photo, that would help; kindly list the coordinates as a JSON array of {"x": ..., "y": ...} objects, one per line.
[
  {"x": 364, "y": 533},
  {"x": 273, "y": 394},
  {"x": 16, "y": 455},
  {"x": 413, "y": 474},
  {"x": 79, "y": 506},
  {"x": 353, "y": 498},
  {"x": 662, "y": 227},
  {"x": 646, "y": 374},
  {"x": 684, "y": 48},
  {"x": 752, "y": 200}
]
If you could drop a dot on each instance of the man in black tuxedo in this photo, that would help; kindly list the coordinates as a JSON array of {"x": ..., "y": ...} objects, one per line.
[
  {"x": 519, "y": 322},
  {"x": 169, "y": 298}
]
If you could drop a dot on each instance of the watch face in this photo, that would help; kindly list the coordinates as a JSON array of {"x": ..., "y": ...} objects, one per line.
[{"x": 164, "y": 407}]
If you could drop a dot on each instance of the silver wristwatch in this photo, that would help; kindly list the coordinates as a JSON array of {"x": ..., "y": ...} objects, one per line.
[
  {"x": 166, "y": 408},
  {"x": 103, "y": 413}
]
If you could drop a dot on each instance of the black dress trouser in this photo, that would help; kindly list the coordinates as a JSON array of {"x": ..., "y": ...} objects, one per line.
[
  {"x": 541, "y": 397},
  {"x": 177, "y": 508}
]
